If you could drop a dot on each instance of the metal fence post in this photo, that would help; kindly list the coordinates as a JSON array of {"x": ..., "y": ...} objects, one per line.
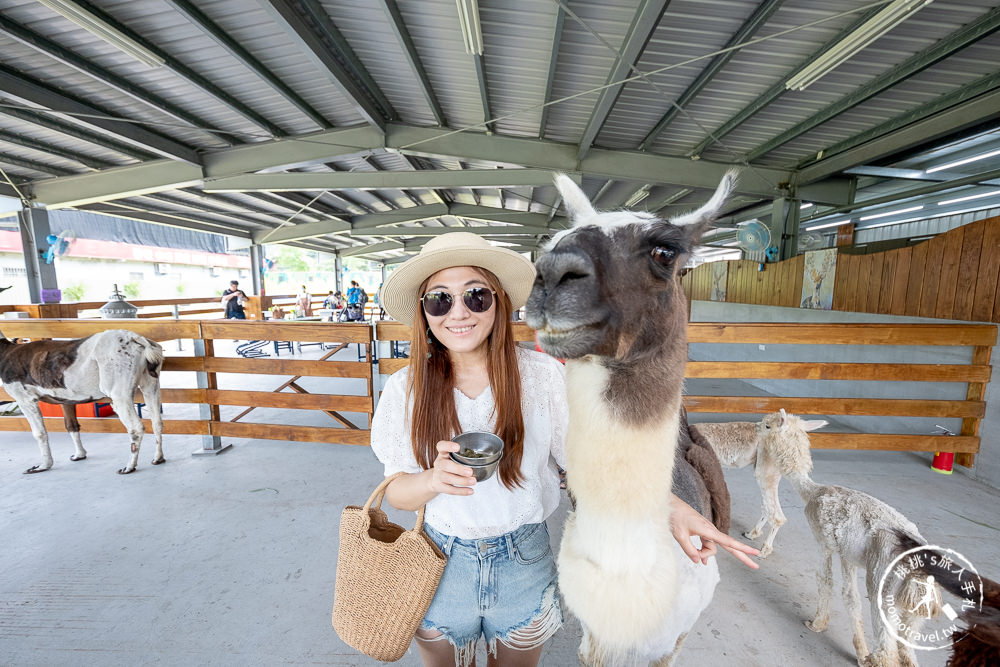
[{"x": 210, "y": 444}]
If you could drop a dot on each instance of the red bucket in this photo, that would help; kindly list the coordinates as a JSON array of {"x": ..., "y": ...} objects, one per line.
[{"x": 942, "y": 462}]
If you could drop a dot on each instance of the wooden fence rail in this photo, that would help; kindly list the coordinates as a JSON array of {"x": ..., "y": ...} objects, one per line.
[{"x": 975, "y": 374}]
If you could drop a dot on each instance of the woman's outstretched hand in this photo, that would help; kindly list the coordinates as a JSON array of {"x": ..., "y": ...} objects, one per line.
[
  {"x": 448, "y": 476},
  {"x": 685, "y": 522}
]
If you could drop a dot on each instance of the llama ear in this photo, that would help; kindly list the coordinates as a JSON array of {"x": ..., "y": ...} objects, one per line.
[
  {"x": 710, "y": 211},
  {"x": 813, "y": 424},
  {"x": 578, "y": 206},
  {"x": 784, "y": 418}
]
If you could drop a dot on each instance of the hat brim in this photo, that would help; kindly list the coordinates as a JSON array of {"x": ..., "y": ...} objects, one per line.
[{"x": 399, "y": 293}]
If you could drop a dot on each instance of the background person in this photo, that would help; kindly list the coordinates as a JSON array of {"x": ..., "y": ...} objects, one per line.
[{"x": 233, "y": 299}]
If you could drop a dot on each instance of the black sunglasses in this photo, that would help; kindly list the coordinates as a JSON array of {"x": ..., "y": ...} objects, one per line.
[{"x": 476, "y": 299}]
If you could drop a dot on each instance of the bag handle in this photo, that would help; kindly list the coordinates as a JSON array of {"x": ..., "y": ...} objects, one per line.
[{"x": 379, "y": 493}]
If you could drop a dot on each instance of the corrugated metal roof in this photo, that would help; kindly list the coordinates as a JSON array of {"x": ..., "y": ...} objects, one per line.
[{"x": 207, "y": 98}]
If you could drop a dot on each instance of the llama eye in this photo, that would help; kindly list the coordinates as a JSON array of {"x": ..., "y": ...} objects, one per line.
[{"x": 663, "y": 255}]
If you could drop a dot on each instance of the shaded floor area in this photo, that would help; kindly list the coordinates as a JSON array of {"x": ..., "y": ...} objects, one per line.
[{"x": 230, "y": 560}]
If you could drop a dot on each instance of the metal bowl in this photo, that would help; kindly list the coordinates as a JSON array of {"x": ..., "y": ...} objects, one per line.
[
  {"x": 485, "y": 471},
  {"x": 488, "y": 446}
]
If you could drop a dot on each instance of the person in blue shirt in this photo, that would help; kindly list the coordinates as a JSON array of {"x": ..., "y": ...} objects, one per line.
[{"x": 355, "y": 294}]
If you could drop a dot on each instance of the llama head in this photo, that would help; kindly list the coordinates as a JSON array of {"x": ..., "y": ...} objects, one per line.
[
  {"x": 608, "y": 285},
  {"x": 785, "y": 437}
]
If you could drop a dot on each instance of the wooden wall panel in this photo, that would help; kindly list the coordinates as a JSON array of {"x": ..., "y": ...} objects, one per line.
[
  {"x": 901, "y": 280},
  {"x": 888, "y": 281},
  {"x": 918, "y": 257},
  {"x": 989, "y": 266},
  {"x": 968, "y": 267},
  {"x": 875, "y": 282},
  {"x": 932, "y": 273},
  {"x": 948, "y": 282}
]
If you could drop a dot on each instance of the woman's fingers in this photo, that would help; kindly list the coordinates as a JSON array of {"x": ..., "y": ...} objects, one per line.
[
  {"x": 450, "y": 476},
  {"x": 741, "y": 554}
]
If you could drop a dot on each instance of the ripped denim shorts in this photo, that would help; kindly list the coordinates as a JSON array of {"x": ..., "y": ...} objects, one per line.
[{"x": 501, "y": 588}]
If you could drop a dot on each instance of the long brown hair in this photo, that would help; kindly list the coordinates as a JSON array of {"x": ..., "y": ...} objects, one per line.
[{"x": 431, "y": 387}]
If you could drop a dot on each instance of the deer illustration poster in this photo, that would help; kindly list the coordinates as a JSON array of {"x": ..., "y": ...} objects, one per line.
[
  {"x": 817, "y": 279},
  {"x": 720, "y": 276}
]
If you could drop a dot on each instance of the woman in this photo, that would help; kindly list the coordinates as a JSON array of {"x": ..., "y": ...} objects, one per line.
[
  {"x": 304, "y": 303},
  {"x": 467, "y": 373}
]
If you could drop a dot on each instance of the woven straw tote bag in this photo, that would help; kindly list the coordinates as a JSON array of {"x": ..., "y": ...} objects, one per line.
[{"x": 386, "y": 579}]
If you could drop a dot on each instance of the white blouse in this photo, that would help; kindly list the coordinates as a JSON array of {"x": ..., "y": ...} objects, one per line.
[{"x": 492, "y": 509}]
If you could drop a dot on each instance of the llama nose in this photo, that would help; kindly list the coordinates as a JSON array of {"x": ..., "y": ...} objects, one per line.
[{"x": 558, "y": 269}]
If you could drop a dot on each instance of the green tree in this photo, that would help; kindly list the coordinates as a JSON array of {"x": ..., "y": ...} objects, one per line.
[
  {"x": 131, "y": 289},
  {"x": 74, "y": 292}
]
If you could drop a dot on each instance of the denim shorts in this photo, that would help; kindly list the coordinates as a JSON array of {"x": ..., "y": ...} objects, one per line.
[{"x": 494, "y": 586}]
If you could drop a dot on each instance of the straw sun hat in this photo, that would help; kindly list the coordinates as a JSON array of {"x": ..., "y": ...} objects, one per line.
[{"x": 399, "y": 293}]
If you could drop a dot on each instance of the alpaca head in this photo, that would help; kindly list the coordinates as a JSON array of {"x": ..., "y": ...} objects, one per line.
[
  {"x": 608, "y": 285},
  {"x": 785, "y": 438}
]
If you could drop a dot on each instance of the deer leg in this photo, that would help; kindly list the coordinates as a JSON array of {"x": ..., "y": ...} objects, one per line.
[
  {"x": 34, "y": 416},
  {"x": 73, "y": 428},
  {"x": 853, "y": 603},
  {"x": 825, "y": 581},
  {"x": 123, "y": 406},
  {"x": 150, "y": 388}
]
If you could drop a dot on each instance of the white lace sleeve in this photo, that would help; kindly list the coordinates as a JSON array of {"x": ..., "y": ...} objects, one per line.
[
  {"x": 390, "y": 433},
  {"x": 559, "y": 410}
]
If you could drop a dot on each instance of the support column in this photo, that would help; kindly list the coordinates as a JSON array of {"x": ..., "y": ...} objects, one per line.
[
  {"x": 257, "y": 268},
  {"x": 34, "y": 226},
  {"x": 338, "y": 265},
  {"x": 785, "y": 227},
  {"x": 210, "y": 444}
]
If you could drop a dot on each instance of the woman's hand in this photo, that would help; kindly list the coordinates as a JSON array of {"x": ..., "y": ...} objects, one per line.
[
  {"x": 448, "y": 476},
  {"x": 685, "y": 522}
]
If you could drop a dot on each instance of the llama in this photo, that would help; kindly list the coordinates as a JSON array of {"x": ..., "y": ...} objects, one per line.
[
  {"x": 111, "y": 363},
  {"x": 739, "y": 444},
  {"x": 862, "y": 530},
  {"x": 607, "y": 299}
]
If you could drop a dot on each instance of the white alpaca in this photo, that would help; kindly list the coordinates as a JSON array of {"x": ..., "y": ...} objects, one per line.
[
  {"x": 109, "y": 364},
  {"x": 607, "y": 299},
  {"x": 739, "y": 444},
  {"x": 864, "y": 532}
]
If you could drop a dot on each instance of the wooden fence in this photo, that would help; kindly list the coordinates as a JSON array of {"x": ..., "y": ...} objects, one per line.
[
  {"x": 974, "y": 374},
  {"x": 207, "y": 367},
  {"x": 955, "y": 275}
]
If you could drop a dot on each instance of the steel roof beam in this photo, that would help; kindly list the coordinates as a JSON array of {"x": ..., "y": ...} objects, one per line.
[
  {"x": 965, "y": 107},
  {"x": 482, "y": 230},
  {"x": 322, "y": 146},
  {"x": 484, "y": 91},
  {"x": 187, "y": 73},
  {"x": 443, "y": 178},
  {"x": 413, "y": 58},
  {"x": 51, "y": 149},
  {"x": 778, "y": 89},
  {"x": 746, "y": 31},
  {"x": 223, "y": 39},
  {"x": 644, "y": 23},
  {"x": 301, "y": 20},
  {"x": 550, "y": 79},
  {"x": 33, "y": 165},
  {"x": 165, "y": 218},
  {"x": 49, "y": 122},
  {"x": 958, "y": 40},
  {"x": 20, "y": 87},
  {"x": 605, "y": 163},
  {"x": 71, "y": 59},
  {"x": 907, "y": 194},
  {"x": 371, "y": 248},
  {"x": 303, "y": 230}
]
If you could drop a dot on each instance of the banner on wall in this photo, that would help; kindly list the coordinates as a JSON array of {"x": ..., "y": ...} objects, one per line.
[
  {"x": 720, "y": 278},
  {"x": 818, "y": 275}
]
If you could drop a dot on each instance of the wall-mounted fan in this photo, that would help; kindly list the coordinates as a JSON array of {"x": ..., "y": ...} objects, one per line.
[
  {"x": 59, "y": 244},
  {"x": 753, "y": 236},
  {"x": 811, "y": 241}
]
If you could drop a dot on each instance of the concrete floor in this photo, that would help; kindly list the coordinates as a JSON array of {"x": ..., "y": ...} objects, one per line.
[{"x": 230, "y": 560}]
